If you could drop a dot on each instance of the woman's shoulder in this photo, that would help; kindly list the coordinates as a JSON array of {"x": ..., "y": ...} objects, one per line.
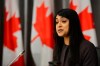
[
  {"x": 85, "y": 44},
  {"x": 88, "y": 54},
  {"x": 87, "y": 47}
]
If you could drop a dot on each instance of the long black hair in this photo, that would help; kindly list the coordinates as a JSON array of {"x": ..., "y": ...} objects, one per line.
[{"x": 75, "y": 35}]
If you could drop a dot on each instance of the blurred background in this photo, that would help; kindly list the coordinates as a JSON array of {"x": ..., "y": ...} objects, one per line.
[{"x": 28, "y": 25}]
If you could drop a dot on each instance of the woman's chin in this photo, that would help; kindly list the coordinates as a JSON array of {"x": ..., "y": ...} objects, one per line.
[{"x": 60, "y": 35}]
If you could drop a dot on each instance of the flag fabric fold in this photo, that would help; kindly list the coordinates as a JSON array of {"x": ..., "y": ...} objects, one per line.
[
  {"x": 42, "y": 32},
  {"x": 12, "y": 43},
  {"x": 84, "y": 10}
]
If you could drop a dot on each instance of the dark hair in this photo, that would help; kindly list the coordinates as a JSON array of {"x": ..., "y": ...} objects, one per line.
[{"x": 75, "y": 34}]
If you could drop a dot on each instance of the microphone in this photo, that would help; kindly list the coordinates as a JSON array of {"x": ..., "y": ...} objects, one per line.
[
  {"x": 20, "y": 54},
  {"x": 54, "y": 63}
]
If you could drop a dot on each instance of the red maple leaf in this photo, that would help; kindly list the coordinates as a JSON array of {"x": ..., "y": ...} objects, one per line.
[
  {"x": 44, "y": 26},
  {"x": 86, "y": 20},
  {"x": 72, "y": 6},
  {"x": 10, "y": 27}
]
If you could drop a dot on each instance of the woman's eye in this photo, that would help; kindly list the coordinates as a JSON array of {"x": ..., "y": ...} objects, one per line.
[
  {"x": 56, "y": 22},
  {"x": 63, "y": 21}
]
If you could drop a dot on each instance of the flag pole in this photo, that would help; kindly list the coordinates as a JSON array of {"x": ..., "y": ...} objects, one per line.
[
  {"x": 25, "y": 30},
  {"x": 65, "y": 3}
]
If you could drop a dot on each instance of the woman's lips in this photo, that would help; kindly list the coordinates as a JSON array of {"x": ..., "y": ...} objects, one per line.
[{"x": 60, "y": 30}]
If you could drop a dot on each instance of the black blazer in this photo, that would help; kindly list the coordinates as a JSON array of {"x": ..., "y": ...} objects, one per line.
[{"x": 88, "y": 55}]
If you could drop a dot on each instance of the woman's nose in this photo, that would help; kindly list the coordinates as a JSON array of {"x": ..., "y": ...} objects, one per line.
[{"x": 59, "y": 24}]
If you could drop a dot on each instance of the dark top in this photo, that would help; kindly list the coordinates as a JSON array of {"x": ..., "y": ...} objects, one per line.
[{"x": 88, "y": 55}]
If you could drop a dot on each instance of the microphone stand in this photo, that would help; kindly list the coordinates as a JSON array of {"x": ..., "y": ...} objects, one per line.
[{"x": 21, "y": 53}]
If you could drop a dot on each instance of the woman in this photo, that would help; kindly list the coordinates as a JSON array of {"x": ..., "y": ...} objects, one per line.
[{"x": 71, "y": 48}]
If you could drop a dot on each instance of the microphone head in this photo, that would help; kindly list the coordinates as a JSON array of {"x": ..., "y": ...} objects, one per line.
[{"x": 23, "y": 52}]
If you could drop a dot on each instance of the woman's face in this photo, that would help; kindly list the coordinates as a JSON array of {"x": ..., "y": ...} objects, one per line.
[{"x": 62, "y": 26}]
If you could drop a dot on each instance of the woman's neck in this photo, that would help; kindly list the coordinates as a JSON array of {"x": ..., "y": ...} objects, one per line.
[{"x": 66, "y": 40}]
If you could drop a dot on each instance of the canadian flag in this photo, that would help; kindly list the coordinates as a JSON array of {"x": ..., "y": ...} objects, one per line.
[
  {"x": 83, "y": 8},
  {"x": 12, "y": 35},
  {"x": 42, "y": 32}
]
